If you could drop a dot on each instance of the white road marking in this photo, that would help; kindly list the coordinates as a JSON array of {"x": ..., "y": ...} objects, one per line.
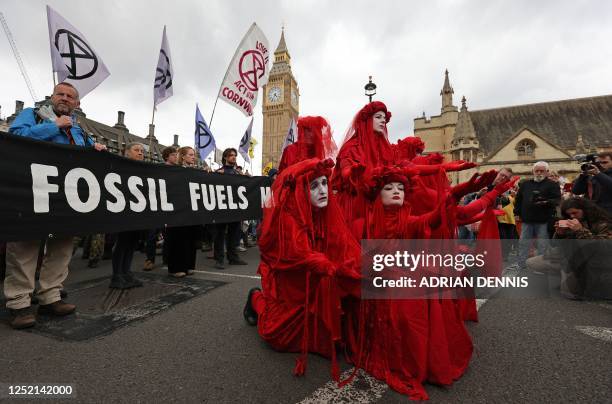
[
  {"x": 228, "y": 274},
  {"x": 602, "y": 333},
  {"x": 363, "y": 390}
]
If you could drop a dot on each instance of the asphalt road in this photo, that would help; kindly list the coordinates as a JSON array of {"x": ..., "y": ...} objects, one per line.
[{"x": 526, "y": 350}]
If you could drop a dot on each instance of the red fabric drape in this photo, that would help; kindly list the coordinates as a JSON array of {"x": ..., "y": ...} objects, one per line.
[
  {"x": 362, "y": 151},
  {"x": 309, "y": 262}
]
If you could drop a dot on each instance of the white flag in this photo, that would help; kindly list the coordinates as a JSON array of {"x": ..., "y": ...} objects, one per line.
[
  {"x": 245, "y": 143},
  {"x": 73, "y": 58},
  {"x": 291, "y": 135},
  {"x": 204, "y": 139},
  {"x": 162, "y": 88},
  {"x": 247, "y": 71}
]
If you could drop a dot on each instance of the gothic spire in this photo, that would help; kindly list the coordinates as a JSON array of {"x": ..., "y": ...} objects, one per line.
[
  {"x": 282, "y": 46},
  {"x": 447, "y": 95},
  {"x": 465, "y": 127}
]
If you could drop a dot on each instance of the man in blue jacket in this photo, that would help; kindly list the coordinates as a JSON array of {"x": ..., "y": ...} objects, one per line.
[{"x": 56, "y": 124}]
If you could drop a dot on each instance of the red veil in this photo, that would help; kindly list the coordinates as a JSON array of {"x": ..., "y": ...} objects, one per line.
[
  {"x": 362, "y": 150},
  {"x": 314, "y": 140},
  {"x": 409, "y": 148},
  {"x": 309, "y": 261}
]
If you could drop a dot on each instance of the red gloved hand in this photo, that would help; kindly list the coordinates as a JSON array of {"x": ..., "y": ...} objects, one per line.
[
  {"x": 505, "y": 186},
  {"x": 356, "y": 175},
  {"x": 476, "y": 183},
  {"x": 458, "y": 165},
  {"x": 327, "y": 269}
]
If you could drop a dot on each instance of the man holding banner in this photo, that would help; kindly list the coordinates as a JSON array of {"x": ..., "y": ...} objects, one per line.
[
  {"x": 227, "y": 235},
  {"x": 54, "y": 124}
]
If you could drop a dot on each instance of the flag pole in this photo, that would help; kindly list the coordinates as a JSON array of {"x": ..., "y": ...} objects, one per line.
[
  {"x": 224, "y": 77},
  {"x": 214, "y": 107},
  {"x": 150, "y": 134}
]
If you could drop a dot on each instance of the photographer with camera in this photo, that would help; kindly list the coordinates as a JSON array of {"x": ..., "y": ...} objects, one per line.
[
  {"x": 587, "y": 270},
  {"x": 536, "y": 203},
  {"x": 595, "y": 180}
]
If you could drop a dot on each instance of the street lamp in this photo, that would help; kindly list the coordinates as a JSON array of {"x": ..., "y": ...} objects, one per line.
[{"x": 370, "y": 89}]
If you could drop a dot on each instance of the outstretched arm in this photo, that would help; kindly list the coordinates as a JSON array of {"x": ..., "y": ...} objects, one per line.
[{"x": 487, "y": 200}]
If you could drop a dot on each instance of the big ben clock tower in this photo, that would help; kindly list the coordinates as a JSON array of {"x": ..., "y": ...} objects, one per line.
[{"x": 280, "y": 106}]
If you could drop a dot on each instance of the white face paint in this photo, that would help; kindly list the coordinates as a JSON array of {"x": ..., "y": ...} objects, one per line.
[
  {"x": 392, "y": 194},
  {"x": 318, "y": 192}
]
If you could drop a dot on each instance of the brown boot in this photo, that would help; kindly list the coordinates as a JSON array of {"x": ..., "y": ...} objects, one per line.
[
  {"x": 23, "y": 318},
  {"x": 59, "y": 308},
  {"x": 148, "y": 265}
]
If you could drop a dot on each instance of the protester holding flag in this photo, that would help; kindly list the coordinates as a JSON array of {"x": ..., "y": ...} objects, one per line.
[{"x": 56, "y": 124}]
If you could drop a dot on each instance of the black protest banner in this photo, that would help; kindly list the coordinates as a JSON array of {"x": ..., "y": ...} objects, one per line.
[{"x": 46, "y": 188}]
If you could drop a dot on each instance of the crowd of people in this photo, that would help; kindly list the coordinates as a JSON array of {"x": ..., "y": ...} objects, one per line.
[
  {"x": 309, "y": 239},
  {"x": 48, "y": 261}
]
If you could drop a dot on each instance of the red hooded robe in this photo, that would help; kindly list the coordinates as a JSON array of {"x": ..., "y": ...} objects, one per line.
[{"x": 309, "y": 262}]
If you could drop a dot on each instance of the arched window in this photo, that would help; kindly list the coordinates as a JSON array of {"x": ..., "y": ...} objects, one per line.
[{"x": 526, "y": 148}]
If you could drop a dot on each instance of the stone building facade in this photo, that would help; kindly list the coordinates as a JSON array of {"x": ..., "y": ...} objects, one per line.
[{"x": 518, "y": 136}]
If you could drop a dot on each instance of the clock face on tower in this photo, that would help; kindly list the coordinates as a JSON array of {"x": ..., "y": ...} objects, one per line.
[
  {"x": 294, "y": 97},
  {"x": 274, "y": 94}
]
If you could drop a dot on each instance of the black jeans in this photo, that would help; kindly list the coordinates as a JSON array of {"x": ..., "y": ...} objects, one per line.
[
  {"x": 151, "y": 244},
  {"x": 227, "y": 234},
  {"x": 509, "y": 237},
  {"x": 123, "y": 252},
  {"x": 181, "y": 245}
]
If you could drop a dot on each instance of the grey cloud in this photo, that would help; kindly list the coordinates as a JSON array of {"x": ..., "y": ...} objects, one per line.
[{"x": 498, "y": 53}]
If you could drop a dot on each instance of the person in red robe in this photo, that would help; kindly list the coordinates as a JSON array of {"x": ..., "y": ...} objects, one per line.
[
  {"x": 407, "y": 342},
  {"x": 432, "y": 184},
  {"x": 309, "y": 262},
  {"x": 314, "y": 141},
  {"x": 366, "y": 146}
]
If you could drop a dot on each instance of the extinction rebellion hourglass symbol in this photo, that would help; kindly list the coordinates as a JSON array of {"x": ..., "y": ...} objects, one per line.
[
  {"x": 203, "y": 133},
  {"x": 83, "y": 62},
  {"x": 164, "y": 76},
  {"x": 251, "y": 68}
]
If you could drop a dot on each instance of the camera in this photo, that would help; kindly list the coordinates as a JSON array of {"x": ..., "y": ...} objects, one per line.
[
  {"x": 537, "y": 197},
  {"x": 563, "y": 223},
  {"x": 588, "y": 162}
]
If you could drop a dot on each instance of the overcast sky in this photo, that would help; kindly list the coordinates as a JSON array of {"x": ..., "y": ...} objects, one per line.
[{"x": 498, "y": 53}]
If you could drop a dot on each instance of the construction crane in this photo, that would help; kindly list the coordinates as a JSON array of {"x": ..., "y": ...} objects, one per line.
[{"x": 24, "y": 72}]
